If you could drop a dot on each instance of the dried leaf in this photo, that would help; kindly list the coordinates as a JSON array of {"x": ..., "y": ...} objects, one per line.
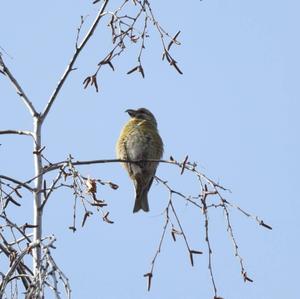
[
  {"x": 192, "y": 252},
  {"x": 65, "y": 174},
  {"x": 149, "y": 275},
  {"x": 174, "y": 40},
  {"x": 27, "y": 225},
  {"x": 173, "y": 236},
  {"x": 94, "y": 82},
  {"x": 134, "y": 38},
  {"x": 111, "y": 65},
  {"x": 141, "y": 70},
  {"x": 99, "y": 203},
  {"x": 91, "y": 186},
  {"x": 105, "y": 218},
  {"x": 107, "y": 60},
  {"x": 246, "y": 278},
  {"x": 133, "y": 70},
  {"x": 196, "y": 252},
  {"x": 17, "y": 192},
  {"x": 191, "y": 258},
  {"x": 265, "y": 225},
  {"x": 177, "y": 232},
  {"x": 73, "y": 228},
  {"x": 44, "y": 189},
  {"x": 113, "y": 186},
  {"x": 109, "y": 56},
  {"x": 86, "y": 215},
  {"x": 86, "y": 82},
  {"x": 10, "y": 199},
  {"x": 39, "y": 151},
  {"x": 183, "y": 164},
  {"x": 91, "y": 80},
  {"x": 168, "y": 56},
  {"x": 177, "y": 68}
]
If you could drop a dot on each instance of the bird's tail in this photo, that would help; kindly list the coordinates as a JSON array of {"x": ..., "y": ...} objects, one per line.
[
  {"x": 141, "y": 197},
  {"x": 141, "y": 202}
]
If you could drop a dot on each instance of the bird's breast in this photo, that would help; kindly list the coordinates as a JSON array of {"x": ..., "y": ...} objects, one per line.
[{"x": 140, "y": 140}]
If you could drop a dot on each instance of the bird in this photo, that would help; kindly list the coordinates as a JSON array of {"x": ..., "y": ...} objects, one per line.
[{"x": 140, "y": 140}]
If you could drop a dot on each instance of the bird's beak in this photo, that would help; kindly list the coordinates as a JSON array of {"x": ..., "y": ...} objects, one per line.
[{"x": 131, "y": 112}]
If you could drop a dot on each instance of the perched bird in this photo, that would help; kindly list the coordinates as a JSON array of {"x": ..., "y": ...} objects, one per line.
[{"x": 140, "y": 140}]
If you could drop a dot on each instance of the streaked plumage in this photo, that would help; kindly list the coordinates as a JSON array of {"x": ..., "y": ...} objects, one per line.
[{"x": 140, "y": 140}]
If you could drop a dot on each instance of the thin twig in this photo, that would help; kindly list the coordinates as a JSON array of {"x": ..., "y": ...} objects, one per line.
[
  {"x": 73, "y": 60},
  {"x": 57, "y": 165},
  {"x": 4, "y": 69},
  {"x": 18, "y": 132},
  {"x": 52, "y": 187},
  {"x": 15, "y": 265},
  {"x": 207, "y": 240},
  {"x": 25, "y": 184},
  {"x": 150, "y": 274}
]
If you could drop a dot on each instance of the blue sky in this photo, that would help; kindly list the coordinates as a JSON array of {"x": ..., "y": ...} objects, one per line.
[{"x": 235, "y": 111}]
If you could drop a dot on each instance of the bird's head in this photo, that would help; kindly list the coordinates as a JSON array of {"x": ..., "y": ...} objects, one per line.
[{"x": 143, "y": 114}]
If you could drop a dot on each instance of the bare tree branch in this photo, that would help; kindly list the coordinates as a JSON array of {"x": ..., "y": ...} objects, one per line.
[
  {"x": 73, "y": 60},
  {"x": 17, "y": 132},
  {"x": 125, "y": 28},
  {"x": 171, "y": 211},
  {"x": 52, "y": 187},
  {"x": 20, "y": 267},
  {"x": 14, "y": 266},
  {"x": 192, "y": 167},
  {"x": 102, "y": 161},
  {"x": 23, "y": 184},
  {"x": 207, "y": 240},
  {"x": 5, "y": 71}
]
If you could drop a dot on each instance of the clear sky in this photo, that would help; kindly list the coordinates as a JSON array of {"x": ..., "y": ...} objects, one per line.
[{"x": 235, "y": 111}]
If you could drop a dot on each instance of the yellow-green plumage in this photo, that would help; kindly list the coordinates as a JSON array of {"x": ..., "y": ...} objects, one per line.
[{"x": 140, "y": 140}]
